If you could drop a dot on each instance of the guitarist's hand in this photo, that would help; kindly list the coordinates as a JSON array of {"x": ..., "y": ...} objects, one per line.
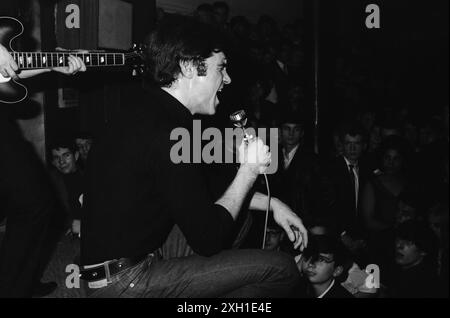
[
  {"x": 75, "y": 65},
  {"x": 8, "y": 67}
]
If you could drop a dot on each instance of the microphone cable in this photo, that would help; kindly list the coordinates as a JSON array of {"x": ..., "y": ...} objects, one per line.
[{"x": 239, "y": 119}]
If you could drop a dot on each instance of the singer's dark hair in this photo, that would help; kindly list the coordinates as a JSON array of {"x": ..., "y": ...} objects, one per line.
[{"x": 180, "y": 39}]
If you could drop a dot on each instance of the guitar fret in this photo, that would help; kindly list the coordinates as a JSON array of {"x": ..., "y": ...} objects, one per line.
[
  {"x": 87, "y": 59},
  {"x": 119, "y": 59},
  {"x": 21, "y": 65},
  {"x": 39, "y": 60},
  {"x": 110, "y": 59},
  {"x": 80, "y": 56},
  {"x": 29, "y": 60},
  {"x": 94, "y": 59},
  {"x": 54, "y": 59}
]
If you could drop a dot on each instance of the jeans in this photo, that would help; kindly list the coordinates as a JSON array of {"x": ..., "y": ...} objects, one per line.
[{"x": 229, "y": 274}]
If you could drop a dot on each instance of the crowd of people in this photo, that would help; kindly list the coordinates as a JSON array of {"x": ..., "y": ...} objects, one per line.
[
  {"x": 378, "y": 197},
  {"x": 381, "y": 191}
]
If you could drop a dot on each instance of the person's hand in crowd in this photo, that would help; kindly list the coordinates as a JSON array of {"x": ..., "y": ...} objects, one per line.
[
  {"x": 291, "y": 223},
  {"x": 255, "y": 155},
  {"x": 8, "y": 66}
]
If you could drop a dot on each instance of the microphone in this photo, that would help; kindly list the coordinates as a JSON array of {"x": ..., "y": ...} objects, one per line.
[{"x": 239, "y": 120}]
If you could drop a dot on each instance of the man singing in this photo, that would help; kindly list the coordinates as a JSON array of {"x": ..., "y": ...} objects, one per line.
[{"x": 136, "y": 195}]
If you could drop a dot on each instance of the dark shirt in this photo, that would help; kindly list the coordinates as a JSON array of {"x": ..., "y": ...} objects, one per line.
[
  {"x": 28, "y": 203},
  {"x": 304, "y": 185},
  {"x": 136, "y": 194},
  {"x": 419, "y": 281},
  {"x": 304, "y": 290},
  {"x": 337, "y": 291},
  {"x": 69, "y": 188},
  {"x": 345, "y": 212},
  {"x": 24, "y": 184}
]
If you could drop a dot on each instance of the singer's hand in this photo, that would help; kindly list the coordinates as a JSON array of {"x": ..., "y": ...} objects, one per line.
[
  {"x": 255, "y": 155},
  {"x": 291, "y": 223}
]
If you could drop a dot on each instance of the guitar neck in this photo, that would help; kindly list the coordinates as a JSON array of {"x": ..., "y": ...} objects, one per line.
[{"x": 40, "y": 60}]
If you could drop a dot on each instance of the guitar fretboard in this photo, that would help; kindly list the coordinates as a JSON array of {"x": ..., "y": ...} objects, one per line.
[{"x": 36, "y": 60}]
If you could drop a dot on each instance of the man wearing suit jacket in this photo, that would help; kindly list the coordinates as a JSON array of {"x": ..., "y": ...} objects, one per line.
[
  {"x": 348, "y": 173},
  {"x": 300, "y": 180}
]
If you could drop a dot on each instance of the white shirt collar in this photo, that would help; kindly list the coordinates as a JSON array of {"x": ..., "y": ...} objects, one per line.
[
  {"x": 349, "y": 163},
  {"x": 282, "y": 66},
  {"x": 328, "y": 289},
  {"x": 289, "y": 156}
]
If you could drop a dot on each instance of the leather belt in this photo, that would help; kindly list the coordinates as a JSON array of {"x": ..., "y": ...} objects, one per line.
[{"x": 109, "y": 269}]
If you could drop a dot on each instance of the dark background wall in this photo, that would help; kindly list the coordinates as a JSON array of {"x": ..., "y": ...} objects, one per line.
[{"x": 404, "y": 63}]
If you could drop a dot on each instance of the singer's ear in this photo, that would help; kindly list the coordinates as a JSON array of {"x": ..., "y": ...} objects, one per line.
[{"x": 187, "y": 69}]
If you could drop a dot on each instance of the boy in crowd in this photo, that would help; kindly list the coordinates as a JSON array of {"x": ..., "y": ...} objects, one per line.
[
  {"x": 416, "y": 257},
  {"x": 324, "y": 265},
  {"x": 68, "y": 180},
  {"x": 83, "y": 142},
  {"x": 274, "y": 237}
]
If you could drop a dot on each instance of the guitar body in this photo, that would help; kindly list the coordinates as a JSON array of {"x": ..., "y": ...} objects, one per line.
[{"x": 10, "y": 91}]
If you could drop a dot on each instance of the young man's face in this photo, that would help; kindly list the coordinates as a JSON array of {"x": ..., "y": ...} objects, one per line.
[
  {"x": 83, "y": 145},
  {"x": 322, "y": 270},
  {"x": 204, "y": 89},
  {"x": 273, "y": 239},
  {"x": 353, "y": 147},
  {"x": 407, "y": 253},
  {"x": 221, "y": 15},
  {"x": 291, "y": 134},
  {"x": 435, "y": 221},
  {"x": 64, "y": 160},
  {"x": 392, "y": 161},
  {"x": 368, "y": 120},
  {"x": 405, "y": 212}
]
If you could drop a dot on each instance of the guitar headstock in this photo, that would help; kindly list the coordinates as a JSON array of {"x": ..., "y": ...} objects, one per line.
[{"x": 136, "y": 59}]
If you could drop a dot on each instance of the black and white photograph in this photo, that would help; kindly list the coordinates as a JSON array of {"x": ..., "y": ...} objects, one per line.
[{"x": 224, "y": 155}]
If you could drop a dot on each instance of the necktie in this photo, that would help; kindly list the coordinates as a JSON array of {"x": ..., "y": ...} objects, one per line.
[{"x": 353, "y": 182}]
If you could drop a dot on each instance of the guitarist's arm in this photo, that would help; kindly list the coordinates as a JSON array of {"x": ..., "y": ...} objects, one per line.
[{"x": 9, "y": 68}]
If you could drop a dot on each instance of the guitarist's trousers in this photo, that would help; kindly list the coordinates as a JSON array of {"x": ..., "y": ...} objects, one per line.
[{"x": 29, "y": 205}]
